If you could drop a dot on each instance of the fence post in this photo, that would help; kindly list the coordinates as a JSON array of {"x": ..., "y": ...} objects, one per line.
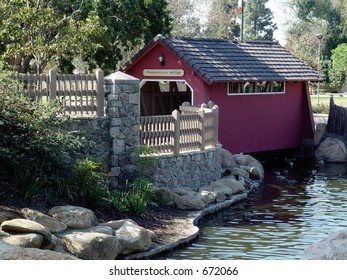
[
  {"x": 52, "y": 84},
  {"x": 203, "y": 134},
  {"x": 176, "y": 131},
  {"x": 215, "y": 111},
  {"x": 100, "y": 96}
]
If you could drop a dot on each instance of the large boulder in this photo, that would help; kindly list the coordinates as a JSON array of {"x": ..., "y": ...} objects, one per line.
[
  {"x": 133, "y": 238},
  {"x": 163, "y": 196},
  {"x": 91, "y": 245},
  {"x": 27, "y": 226},
  {"x": 188, "y": 202},
  {"x": 47, "y": 221},
  {"x": 227, "y": 159},
  {"x": 224, "y": 188},
  {"x": 321, "y": 129},
  {"x": 7, "y": 215},
  {"x": 28, "y": 240},
  {"x": 333, "y": 247},
  {"x": 74, "y": 216},
  {"x": 10, "y": 252},
  {"x": 332, "y": 150}
]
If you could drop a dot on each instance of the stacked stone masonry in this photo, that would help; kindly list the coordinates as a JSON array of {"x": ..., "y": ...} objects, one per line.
[{"x": 111, "y": 139}]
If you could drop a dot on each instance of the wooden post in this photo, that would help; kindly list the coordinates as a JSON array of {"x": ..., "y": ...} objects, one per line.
[
  {"x": 52, "y": 84},
  {"x": 100, "y": 95},
  {"x": 215, "y": 111},
  {"x": 176, "y": 132},
  {"x": 203, "y": 133}
]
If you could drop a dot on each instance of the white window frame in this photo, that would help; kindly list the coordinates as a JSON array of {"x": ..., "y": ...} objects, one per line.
[{"x": 252, "y": 84}]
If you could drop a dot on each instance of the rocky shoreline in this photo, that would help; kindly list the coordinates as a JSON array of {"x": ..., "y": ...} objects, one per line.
[{"x": 73, "y": 232}]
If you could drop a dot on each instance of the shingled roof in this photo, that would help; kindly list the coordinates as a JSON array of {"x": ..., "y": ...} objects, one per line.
[{"x": 218, "y": 60}]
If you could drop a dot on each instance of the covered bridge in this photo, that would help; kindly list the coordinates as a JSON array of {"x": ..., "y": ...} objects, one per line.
[{"x": 261, "y": 89}]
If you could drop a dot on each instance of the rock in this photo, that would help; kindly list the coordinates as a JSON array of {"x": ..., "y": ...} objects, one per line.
[
  {"x": 224, "y": 188},
  {"x": 333, "y": 247},
  {"x": 227, "y": 159},
  {"x": 10, "y": 252},
  {"x": 48, "y": 222},
  {"x": 239, "y": 172},
  {"x": 188, "y": 202},
  {"x": 91, "y": 245},
  {"x": 254, "y": 172},
  {"x": 117, "y": 224},
  {"x": 163, "y": 196},
  {"x": 182, "y": 191},
  {"x": 133, "y": 238},
  {"x": 73, "y": 216},
  {"x": 332, "y": 150},
  {"x": 30, "y": 240},
  {"x": 6, "y": 215},
  {"x": 321, "y": 129},
  {"x": 206, "y": 197},
  {"x": 242, "y": 159},
  {"x": 27, "y": 226}
]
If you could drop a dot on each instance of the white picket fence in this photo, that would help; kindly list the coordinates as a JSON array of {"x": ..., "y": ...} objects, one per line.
[
  {"x": 194, "y": 128},
  {"x": 79, "y": 94}
]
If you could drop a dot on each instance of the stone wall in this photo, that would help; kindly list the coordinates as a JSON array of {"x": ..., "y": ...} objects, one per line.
[
  {"x": 111, "y": 139},
  {"x": 192, "y": 170},
  {"x": 96, "y": 134}
]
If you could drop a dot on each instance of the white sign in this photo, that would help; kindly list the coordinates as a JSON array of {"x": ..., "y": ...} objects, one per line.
[{"x": 163, "y": 72}]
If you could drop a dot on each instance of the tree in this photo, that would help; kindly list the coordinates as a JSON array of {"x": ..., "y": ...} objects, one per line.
[
  {"x": 259, "y": 21},
  {"x": 97, "y": 32},
  {"x": 185, "y": 17},
  {"x": 224, "y": 20},
  {"x": 328, "y": 18},
  {"x": 338, "y": 70},
  {"x": 36, "y": 30}
]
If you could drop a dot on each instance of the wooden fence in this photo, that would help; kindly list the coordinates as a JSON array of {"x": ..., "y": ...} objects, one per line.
[
  {"x": 79, "y": 94},
  {"x": 194, "y": 128}
]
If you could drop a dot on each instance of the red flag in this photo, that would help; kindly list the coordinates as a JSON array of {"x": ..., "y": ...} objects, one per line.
[{"x": 239, "y": 6}]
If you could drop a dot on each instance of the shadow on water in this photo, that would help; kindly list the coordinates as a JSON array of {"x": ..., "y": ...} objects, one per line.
[{"x": 301, "y": 202}]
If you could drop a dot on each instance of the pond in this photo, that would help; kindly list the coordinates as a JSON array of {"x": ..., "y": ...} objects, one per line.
[{"x": 301, "y": 202}]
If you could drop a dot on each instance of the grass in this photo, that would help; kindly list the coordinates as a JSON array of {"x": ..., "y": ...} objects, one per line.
[{"x": 325, "y": 99}]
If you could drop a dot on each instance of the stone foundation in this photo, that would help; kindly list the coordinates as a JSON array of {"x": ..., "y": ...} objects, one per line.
[{"x": 193, "y": 169}]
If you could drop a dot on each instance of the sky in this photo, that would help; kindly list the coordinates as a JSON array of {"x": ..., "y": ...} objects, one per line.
[
  {"x": 280, "y": 12},
  {"x": 281, "y": 16}
]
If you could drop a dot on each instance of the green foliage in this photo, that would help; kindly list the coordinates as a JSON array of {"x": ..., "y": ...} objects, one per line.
[
  {"x": 320, "y": 109},
  {"x": 91, "y": 182},
  {"x": 140, "y": 194},
  {"x": 34, "y": 146},
  {"x": 59, "y": 31},
  {"x": 134, "y": 198},
  {"x": 224, "y": 18},
  {"x": 258, "y": 21}
]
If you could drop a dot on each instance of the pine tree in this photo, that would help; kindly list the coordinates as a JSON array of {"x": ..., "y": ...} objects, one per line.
[{"x": 258, "y": 21}]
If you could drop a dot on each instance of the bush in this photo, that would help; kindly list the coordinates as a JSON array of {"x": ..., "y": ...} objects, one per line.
[
  {"x": 134, "y": 198},
  {"x": 91, "y": 182},
  {"x": 34, "y": 146},
  {"x": 320, "y": 109}
]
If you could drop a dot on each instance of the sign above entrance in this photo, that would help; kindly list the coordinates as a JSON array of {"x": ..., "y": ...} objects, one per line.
[{"x": 163, "y": 72}]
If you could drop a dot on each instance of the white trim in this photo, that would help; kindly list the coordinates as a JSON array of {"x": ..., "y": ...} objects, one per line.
[
  {"x": 256, "y": 93},
  {"x": 169, "y": 80}
]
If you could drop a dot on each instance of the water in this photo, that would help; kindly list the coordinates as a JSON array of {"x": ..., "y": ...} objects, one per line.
[{"x": 297, "y": 206}]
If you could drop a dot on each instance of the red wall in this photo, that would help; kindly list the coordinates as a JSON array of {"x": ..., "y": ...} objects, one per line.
[
  {"x": 247, "y": 123},
  {"x": 252, "y": 123}
]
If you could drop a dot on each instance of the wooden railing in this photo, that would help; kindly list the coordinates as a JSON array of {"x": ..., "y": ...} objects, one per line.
[
  {"x": 194, "y": 128},
  {"x": 79, "y": 94}
]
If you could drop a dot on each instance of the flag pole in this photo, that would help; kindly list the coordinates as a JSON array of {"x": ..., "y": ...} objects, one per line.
[{"x": 241, "y": 31}]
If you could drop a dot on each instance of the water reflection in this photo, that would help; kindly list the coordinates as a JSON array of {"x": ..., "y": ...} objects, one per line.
[{"x": 297, "y": 205}]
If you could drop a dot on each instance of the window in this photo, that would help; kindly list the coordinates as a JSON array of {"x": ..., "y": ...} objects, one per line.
[{"x": 239, "y": 88}]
